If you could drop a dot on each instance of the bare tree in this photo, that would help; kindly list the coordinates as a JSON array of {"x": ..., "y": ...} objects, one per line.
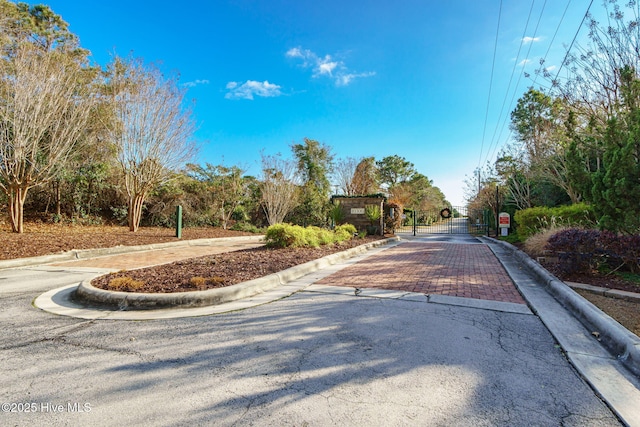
[
  {"x": 152, "y": 131},
  {"x": 45, "y": 104},
  {"x": 227, "y": 186},
  {"x": 279, "y": 187},
  {"x": 516, "y": 175},
  {"x": 592, "y": 71},
  {"x": 344, "y": 171}
]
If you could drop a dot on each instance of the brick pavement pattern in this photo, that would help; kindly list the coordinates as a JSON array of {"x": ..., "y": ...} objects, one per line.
[{"x": 462, "y": 270}]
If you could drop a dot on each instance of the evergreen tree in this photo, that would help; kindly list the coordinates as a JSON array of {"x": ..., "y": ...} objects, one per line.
[
  {"x": 315, "y": 164},
  {"x": 616, "y": 187}
]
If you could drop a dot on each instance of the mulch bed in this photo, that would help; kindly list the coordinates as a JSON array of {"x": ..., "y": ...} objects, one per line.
[
  {"x": 215, "y": 271},
  {"x": 45, "y": 239}
]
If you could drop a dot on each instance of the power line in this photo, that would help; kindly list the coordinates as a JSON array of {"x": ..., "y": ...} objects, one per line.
[
  {"x": 493, "y": 66},
  {"x": 515, "y": 65},
  {"x": 535, "y": 33},
  {"x": 551, "y": 43},
  {"x": 544, "y": 58},
  {"x": 573, "y": 41},
  {"x": 495, "y": 142}
]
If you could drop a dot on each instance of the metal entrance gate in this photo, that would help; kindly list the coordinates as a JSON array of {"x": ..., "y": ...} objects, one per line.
[{"x": 446, "y": 220}]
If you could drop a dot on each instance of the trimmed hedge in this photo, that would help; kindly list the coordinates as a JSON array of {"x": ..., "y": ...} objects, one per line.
[{"x": 531, "y": 221}]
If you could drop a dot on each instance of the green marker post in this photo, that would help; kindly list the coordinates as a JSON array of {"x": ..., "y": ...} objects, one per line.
[{"x": 179, "y": 222}]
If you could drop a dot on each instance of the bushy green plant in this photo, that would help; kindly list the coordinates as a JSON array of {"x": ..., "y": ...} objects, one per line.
[
  {"x": 372, "y": 212},
  {"x": 311, "y": 237},
  {"x": 531, "y": 221},
  {"x": 321, "y": 236},
  {"x": 284, "y": 235},
  {"x": 345, "y": 232},
  {"x": 336, "y": 213},
  {"x": 288, "y": 235},
  {"x": 246, "y": 226},
  {"x": 511, "y": 238}
]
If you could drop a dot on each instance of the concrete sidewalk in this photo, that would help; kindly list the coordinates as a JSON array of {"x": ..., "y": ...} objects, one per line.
[
  {"x": 129, "y": 257},
  {"x": 166, "y": 254}
]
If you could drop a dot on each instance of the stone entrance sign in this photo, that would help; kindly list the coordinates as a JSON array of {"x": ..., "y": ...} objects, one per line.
[{"x": 354, "y": 209}]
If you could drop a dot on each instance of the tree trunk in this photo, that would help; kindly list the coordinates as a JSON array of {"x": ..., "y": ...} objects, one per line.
[
  {"x": 135, "y": 211},
  {"x": 17, "y": 196}
]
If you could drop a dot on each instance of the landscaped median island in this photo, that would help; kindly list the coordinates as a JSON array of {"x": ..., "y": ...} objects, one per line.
[{"x": 194, "y": 282}]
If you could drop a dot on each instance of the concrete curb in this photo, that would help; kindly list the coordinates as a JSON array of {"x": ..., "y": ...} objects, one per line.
[
  {"x": 615, "y": 337},
  {"x": 76, "y": 254},
  {"x": 606, "y": 292},
  {"x": 136, "y": 300}
]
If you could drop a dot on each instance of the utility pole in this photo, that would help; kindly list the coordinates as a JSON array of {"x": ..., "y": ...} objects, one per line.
[{"x": 497, "y": 209}]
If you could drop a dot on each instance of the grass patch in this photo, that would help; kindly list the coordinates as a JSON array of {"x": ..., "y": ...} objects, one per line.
[
  {"x": 536, "y": 244},
  {"x": 630, "y": 277}
]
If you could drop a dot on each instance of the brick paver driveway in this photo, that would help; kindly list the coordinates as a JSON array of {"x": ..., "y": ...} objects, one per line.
[{"x": 454, "y": 269}]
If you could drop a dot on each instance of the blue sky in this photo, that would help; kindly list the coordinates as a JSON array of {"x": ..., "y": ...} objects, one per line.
[{"x": 368, "y": 78}]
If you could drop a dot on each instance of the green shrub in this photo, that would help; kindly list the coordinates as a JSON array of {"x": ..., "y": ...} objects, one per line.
[
  {"x": 349, "y": 228},
  {"x": 336, "y": 213},
  {"x": 320, "y": 236},
  {"x": 284, "y": 235},
  {"x": 345, "y": 232},
  {"x": 372, "y": 212},
  {"x": 294, "y": 236},
  {"x": 247, "y": 227},
  {"x": 511, "y": 238},
  {"x": 531, "y": 221}
]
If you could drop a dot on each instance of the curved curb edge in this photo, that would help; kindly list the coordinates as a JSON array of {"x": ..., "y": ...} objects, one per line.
[
  {"x": 136, "y": 300},
  {"x": 615, "y": 337}
]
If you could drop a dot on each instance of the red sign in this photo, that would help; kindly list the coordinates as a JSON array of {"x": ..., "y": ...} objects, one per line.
[{"x": 504, "y": 220}]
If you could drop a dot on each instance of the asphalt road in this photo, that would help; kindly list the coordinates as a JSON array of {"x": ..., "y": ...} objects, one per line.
[{"x": 316, "y": 358}]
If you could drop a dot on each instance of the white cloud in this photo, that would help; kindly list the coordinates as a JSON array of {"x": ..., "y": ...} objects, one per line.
[
  {"x": 195, "y": 83},
  {"x": 524, "y": 62},
  {"x": 345, "y": 79},
  {"x": 526, "y": 40},
  {"x": 295, "y": 52},
  {"x": 251, "y": 88},
  {"x": 326, "y": 66}
]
